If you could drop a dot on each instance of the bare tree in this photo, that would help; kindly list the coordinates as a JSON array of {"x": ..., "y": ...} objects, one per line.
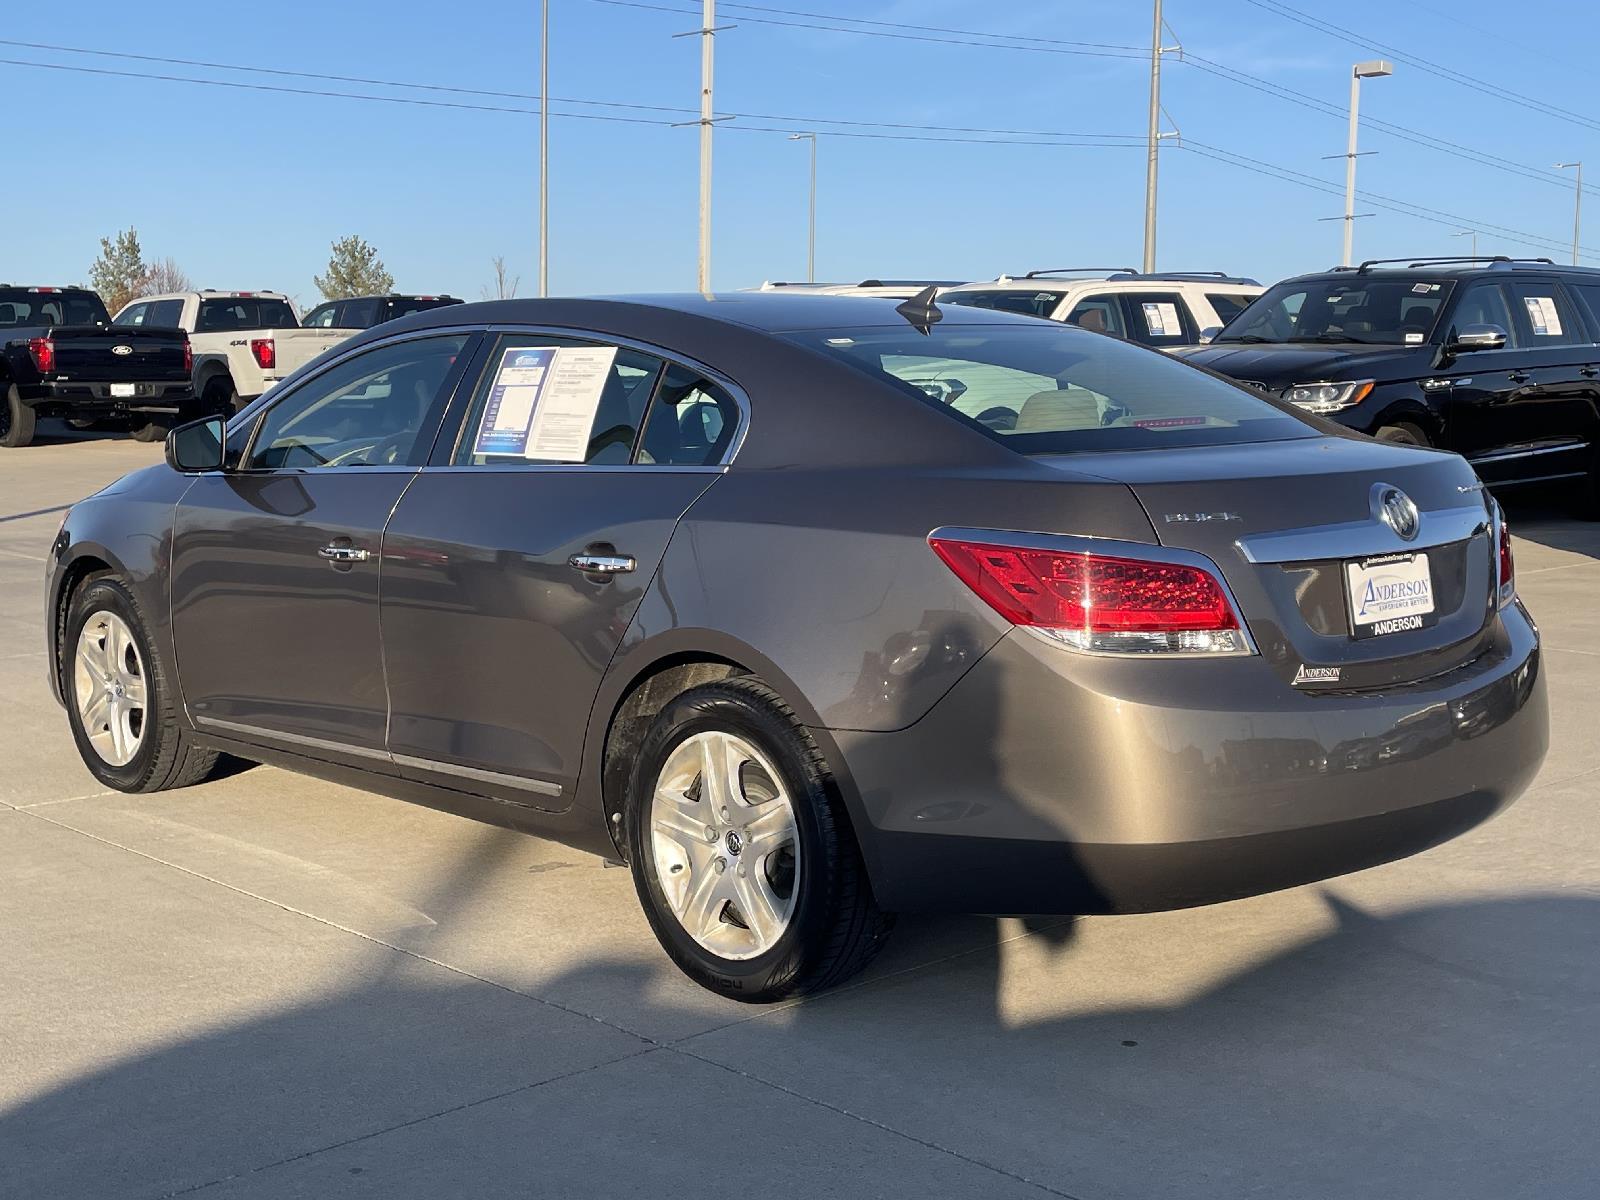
[
  {"x": 163, "y": 277},
  {"x": 505, "y": 283}
]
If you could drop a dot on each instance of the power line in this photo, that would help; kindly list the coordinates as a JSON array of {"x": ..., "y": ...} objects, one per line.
[
  {"x": 1013, "y": 37},
  {"x": 1426, "y": 65}
]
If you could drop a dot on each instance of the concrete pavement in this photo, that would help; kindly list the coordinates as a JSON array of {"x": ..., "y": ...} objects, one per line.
[{"x": 271, "y": 986}]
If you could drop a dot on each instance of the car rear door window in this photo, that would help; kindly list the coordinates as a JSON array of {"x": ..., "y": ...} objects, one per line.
[
  {"x": 552, "y": 400},
  {"x": 1160, "y": 319},
  {"x": 692, "y": 421},
  {"x": 1545, "y": 314},
  {"x": 1101, "y": 313},
  {"x": 135, "y": 314},
  {"x": 323, "y": 316},
  {"x": 1029, "y": 303},
  {"x": 370, "y": 410},
  {"x": 1485, "y": 304},
  {"x": 165, "y": 314}
]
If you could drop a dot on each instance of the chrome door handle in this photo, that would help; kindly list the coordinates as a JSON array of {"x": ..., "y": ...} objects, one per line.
[
  {"x": 1519, "y": 377},
  {"x": 603, "y": 564},
  {"x": 345, "y": 554}
]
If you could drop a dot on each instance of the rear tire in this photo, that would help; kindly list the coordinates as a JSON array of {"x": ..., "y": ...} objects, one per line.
[
  {"x": 151, "y": 431},
  {"x": 121, "y": 699},
  {"x": 785, "y": 851},
  {"x": 16, "y": 421},
  {"x": 220, "y": 398},
  {"x": 1402, "y": 433}
]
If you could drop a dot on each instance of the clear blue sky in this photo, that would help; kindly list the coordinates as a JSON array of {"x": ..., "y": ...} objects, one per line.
[{"x": 246, "y": 189}]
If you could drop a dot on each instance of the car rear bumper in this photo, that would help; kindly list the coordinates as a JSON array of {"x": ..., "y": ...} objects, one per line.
[
  {"x": 1051, "y": 782},
  {"x": 90, "y": 396}
]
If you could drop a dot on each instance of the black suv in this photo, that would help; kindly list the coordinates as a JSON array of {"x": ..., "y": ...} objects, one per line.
[
  {"x": 1497, "y": 358},
  {"x": 363, "y": 312}
]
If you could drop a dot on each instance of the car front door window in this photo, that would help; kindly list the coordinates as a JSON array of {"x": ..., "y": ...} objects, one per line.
[{"x": 370, "y": 410}]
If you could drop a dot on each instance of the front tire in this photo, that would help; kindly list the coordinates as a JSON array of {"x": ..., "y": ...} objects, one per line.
[
  {"x": 16, "y": 421},
  {"x": 122, "y": 701},
  {"x": 741, "y": 848},
  {"x": 1402, "y": 433}
]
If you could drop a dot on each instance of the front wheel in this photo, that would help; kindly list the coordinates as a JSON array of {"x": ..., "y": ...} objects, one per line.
[
  {"x": 121, "y": 699},
  {"x": 741, "y": 849},
  {"x": 1402, "y": 433},
  {"x": 16, "y": 421}
]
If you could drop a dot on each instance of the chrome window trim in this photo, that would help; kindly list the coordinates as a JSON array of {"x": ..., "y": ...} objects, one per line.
[
  {"x": 1363, "y": 538},
  {"x": 520, "y": 782},
  {"x": 1506, "y": 455},
  {"x": 741, "y": 399},
  {"x": 1077, "y": 543}
]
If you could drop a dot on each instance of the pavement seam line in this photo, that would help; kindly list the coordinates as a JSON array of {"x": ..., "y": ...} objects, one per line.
[
  {"x": 879, "y": 1125},
  {"x": 443, "y": 1112},
  {"x": 377, "y": 941},
  {"x": 61, "y": 800}
]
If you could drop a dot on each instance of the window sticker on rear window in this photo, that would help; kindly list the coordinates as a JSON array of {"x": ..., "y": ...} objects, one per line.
[
  {"x": 1161, "y": 319},
  {"x": 1543, "y": 315},
  {"x": 543, "y": 401}
]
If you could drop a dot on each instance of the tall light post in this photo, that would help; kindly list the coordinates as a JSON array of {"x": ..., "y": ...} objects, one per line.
[
  {"x": 811, "y": 227},
  {"x": 1471, "y": 233},
  {"x": 544, "y": 150},
  {"x": 1371, "y": 69},
  {"x": 1577, "y": 207}
]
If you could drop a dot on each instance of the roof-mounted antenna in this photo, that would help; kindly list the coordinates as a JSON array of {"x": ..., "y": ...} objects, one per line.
[{"x": 921, "y": 311}]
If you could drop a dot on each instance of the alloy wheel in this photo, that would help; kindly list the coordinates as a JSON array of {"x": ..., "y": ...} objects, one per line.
[
  {"x": 110, "y": 688},
  {"x": 722, "y": 832}
]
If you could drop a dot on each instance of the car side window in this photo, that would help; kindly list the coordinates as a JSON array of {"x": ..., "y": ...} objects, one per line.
[
  {"x": 1100, "y": 313},
  {"x": 1161, "y": 319},
  {"x": 1485, "y": 304},
  {"x": 370, "y": 410},
  {"x": 135, "y": 315},
  {"x": 359, "y": 314},
  {"x": 692, "y": 422},
  {"x": 1544, "y": 313},
  {"x": 552, "y": 400},
  {"x": 166, "y": 314},
  {"x": 321, "y": 317}
]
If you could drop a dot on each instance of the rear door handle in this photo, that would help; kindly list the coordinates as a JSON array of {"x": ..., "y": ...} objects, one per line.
[
  {"x": 1519, "y": 377},
  {"x": 345, "y": 554},
  {"x": 602, "y": 564},
  {"x": 1589, "y": 372}
]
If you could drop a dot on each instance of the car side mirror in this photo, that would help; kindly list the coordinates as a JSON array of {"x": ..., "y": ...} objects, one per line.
[
  {"x": 197, "y": 446},
  {"x": 1477, "y": 337},
  {"x": 1209, "y": 332}
]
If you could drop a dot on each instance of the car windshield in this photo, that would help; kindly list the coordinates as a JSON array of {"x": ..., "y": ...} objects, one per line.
[
  {"x": 1051, "y": 389},
  {"x": 20, "y": 307},
  {"x": 1030, "y": 303},
  {"x": 1343, "y": 308}
]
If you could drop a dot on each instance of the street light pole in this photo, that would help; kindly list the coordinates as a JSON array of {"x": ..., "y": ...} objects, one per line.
[
  {"x": 1362, "y": 70},
  {"x": 811, "y": 228},
  {"x": 707, "y": 55},
  {"x": 1577, "y": 207},
  {"x": 544, "y": 150},
  {"x": 1471, "y": 233},
  {"x": 1153, "y": 150}
]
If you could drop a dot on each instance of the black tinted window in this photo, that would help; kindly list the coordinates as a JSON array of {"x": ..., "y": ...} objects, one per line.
[
  {"x": 19, "y": 306},
  {"x": 1041, "y": 303},
  {"x": 1345, "y": 308},
  {"x": 1541, "y": 308},
  {"x": 1228, "y": 305},
  {"x": 244, "y": 312},
  {"x": 1049, "y": 390},
  {"x": 692, "y": 422},
  {"x": 1485, "y": 304},
  {"x": 323, "y": 316},
  {"x": 166, "y": 314},
  {"x": 360, "y": 314},
  {"x": 557, "y": 400},
  {"x": 1161, "y": 319},
  {"x": 404, "y": 306}
]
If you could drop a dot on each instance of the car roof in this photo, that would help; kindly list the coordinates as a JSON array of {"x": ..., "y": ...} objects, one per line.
[{"x": 1447, "y": 268}]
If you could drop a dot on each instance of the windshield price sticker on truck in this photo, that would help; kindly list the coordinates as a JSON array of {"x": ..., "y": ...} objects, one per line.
[
  {"x": 1543, "y": 315},
  {"x": 543, "y": 401},
  {"x": 1161, "y": 319}
]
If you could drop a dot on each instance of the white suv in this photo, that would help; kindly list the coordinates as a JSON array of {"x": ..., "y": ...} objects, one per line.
[{"x": 1164, "y": 310}]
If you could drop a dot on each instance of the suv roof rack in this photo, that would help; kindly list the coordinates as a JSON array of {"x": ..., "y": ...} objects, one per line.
[
  {"x": 1078, "y": 271},
  {"x": 908, "y": 283},
  {"x": 1494, "y": 260},
  {"x": 1180, "y": 276}
]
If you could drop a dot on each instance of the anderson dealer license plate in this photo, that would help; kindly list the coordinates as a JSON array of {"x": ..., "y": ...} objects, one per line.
[{"x": 1389, "y": 595}]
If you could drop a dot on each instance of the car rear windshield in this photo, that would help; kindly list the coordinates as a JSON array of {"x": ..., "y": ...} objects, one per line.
[
  {"x": 1051, "y": 389},
  {"x": 1029, "y": 303},
  {"x": 1343, "y": 308},
  {"x": 244, "y": 312},
  {"x": 404, "y": 306},
  {"x": 19, "y": 307}
]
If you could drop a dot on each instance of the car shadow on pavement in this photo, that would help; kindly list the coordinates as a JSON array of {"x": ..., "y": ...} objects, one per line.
[
  {"x": 1545, "y": 514},
  {"x": 1447, "y": 1051}
]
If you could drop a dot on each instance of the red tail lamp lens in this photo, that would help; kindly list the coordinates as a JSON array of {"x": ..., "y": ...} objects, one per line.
[
  {"x": 1508, "y": 568},
  {"x": 266, "y": 353},
  {"x": 1091, "y": 592},
  {"x": 43, "y": 351}
]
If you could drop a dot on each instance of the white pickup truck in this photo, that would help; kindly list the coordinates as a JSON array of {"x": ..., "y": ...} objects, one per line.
[{"x": 243, "y": 342}]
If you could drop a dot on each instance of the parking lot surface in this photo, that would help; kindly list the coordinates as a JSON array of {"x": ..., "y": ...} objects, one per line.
[{"x": 272, "y": 986}]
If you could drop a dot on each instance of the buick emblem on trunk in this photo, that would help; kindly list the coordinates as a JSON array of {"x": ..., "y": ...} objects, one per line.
[
  {"x": 123, "y": 349},
  {"x": 1397, "y": 511}
]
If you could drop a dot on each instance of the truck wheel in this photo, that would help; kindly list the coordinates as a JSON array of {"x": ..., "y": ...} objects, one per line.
[
  {"x": 152, "y": 431},
  {"x": 1402, "y": 433},
  {"x": 16, "y": 421},
  {"x": 220, "y": 398}
]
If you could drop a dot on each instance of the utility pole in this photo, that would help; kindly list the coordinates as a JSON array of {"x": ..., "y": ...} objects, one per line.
[
  {"x": 1471, "y": 233},
  {"x": 1154, "y": 148},
  {"x": 544, "y": 151},
  {"x": 1577, "y": 207},
  {"x": 1362, "y": 70},
  {"x": 707, "y": 56},
  {"x": 811, "y": 229}
]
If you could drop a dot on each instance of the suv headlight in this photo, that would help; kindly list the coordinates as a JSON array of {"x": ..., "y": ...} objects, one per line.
[{"x": 1328, "y": 397}]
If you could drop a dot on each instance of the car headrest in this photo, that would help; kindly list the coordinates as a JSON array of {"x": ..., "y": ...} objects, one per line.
[{"x": 1057, "y": 410}]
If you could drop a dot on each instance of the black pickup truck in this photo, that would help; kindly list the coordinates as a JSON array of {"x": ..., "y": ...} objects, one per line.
[{"x": 60, "y": 356}]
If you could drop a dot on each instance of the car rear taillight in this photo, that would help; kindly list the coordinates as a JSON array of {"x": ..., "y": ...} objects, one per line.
[
  {"x": 1505, "y": 567},
  {"x": 266, "y": 353},
  {"x": 1100, "y": 602},
  {"x": 43, "y": 353},
  {"x": 188, "y": 354}
]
